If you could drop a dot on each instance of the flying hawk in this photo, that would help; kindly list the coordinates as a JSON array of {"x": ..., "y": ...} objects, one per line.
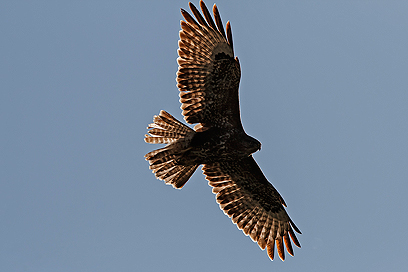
[{"x": 208, "y": 78}]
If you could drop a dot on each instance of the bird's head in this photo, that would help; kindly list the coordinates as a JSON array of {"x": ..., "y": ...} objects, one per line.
[{"x": 250, "y": 144}]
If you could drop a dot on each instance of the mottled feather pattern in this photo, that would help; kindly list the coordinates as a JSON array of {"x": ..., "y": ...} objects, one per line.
[
  {"x": 166, "y": 129},
  {"x": 263, "y": 221},
  {"x": 208, "y": 80},
  {"x": 208, "y": 75},
  {"x": 163, "y": 162}
]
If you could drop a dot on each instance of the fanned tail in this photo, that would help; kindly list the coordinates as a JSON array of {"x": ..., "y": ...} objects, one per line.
[{"x": 164, "y": 161}]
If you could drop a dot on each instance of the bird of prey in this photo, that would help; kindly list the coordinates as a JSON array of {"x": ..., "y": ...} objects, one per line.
[{"x": 208, "y": 79}]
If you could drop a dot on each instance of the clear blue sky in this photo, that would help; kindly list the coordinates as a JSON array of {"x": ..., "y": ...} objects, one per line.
[{"x": 324, "y": 87}]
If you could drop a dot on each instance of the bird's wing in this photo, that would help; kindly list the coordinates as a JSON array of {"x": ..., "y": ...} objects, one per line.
[
  {"x": 253, "y": 204},
  {"x": 208, "y": 75}
]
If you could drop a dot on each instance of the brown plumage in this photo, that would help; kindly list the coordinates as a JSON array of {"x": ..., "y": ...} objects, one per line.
[{"x": 208, "y": 79}]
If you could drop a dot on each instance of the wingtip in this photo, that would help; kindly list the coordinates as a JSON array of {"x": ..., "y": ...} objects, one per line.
[
  {"x": 295, "y": 227},
  {"x": 229, "y": 34},
  {"x": 191, "y": 6},
  {"x": 280, "y": 248},
  {"x": 218, "y": 21},
  {"x": 288, "y": 244},
  {"x": 188, "y": 17},
  {"x": 271, "y": 250},
  {"x": 294, "y": 238}
]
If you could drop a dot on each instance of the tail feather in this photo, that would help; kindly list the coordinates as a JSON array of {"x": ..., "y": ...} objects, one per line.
[
  {"x": 183, "y": 176},
  {"x": 164, "y": 161},
  {"x": 159, "y": 169},
  {"x": 164, "y": 133},
  {"x": 167, "y": 122}
]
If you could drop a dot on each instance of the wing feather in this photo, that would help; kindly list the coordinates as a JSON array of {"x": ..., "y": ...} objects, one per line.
[
  {"x": 288, "y": 244},
  {"x": 208, "y": 75},
  {"x": 279, "y": 247},
  {"x": 197, "y": 14},
  {"x": 271, "y": 249},
  {"x": 229, "y": 34},
  {"x": 254, "y": 205},
  {"x": 218, "y": 21},
  {"x": 207, "y": 15}
]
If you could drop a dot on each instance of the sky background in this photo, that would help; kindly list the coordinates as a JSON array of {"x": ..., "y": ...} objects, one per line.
[{"x": 324, "y": 87}]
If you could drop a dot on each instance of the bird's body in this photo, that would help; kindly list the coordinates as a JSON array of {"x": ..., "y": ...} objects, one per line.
[
  {"x": 208, "y": 79},
  {"x": 214, "y": 145}
]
